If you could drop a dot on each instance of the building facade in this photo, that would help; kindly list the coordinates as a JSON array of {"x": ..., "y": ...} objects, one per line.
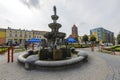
[
  {"x": 39, "y": 34},
  {"x": 103, "y": 35},
  {"x": 74, "y": 31},
  {"x": 17, "y": 36},
  {"x": 2, "y": 36}
]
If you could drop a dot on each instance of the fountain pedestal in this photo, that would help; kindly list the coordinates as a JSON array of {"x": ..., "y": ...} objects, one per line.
[{"x": 55, "y": 38}]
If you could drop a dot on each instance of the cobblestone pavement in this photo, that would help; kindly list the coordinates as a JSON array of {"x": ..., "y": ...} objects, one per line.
[
  {"x": 95, "y": 69},
  {"x": 113, "y": 62}
]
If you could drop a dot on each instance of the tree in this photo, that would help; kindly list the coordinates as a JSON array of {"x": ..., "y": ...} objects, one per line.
[
  {"x": 85, "y": 38},
  {"x": 92, "y": 38},
  {"x": 118, "y": 38},
  {"x": 76, "y": 38}
]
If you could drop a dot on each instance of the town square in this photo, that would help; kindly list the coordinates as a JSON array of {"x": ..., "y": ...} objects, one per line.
[{"x": 59, "y": 40}]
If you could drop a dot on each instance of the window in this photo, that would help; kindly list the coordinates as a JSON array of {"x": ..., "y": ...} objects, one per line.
[
  {"x": 29, "y": 35},
  {"x": 15, "y": 35},
  {"x": 20, "y": 35}
]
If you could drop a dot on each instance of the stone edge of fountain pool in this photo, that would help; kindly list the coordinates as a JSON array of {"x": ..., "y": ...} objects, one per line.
[{"x": 82, "y": 56}]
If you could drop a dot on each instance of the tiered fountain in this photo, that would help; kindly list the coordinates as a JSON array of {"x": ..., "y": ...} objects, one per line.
[
  {"x": 54, "y": 41},
  {"x": 54, "y": 54}
]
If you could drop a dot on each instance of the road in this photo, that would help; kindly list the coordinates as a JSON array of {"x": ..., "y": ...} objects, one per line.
[{"x": 99, "y": 67}]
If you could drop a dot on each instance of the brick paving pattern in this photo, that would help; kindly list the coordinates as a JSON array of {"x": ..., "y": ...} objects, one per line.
[{"x": 99, "y": 67}]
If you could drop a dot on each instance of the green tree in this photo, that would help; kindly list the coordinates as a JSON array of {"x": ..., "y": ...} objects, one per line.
[
  {"x": 76, "y": 38},
  {"x": 92, "y": 38},
  {"x": 85, "y": 38},
  {"x": 118, "y": 38}
]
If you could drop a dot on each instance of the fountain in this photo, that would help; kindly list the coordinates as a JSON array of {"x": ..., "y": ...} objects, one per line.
[
  {"x": 54, "y": 55},
  {"x": 54, "y": 41}
]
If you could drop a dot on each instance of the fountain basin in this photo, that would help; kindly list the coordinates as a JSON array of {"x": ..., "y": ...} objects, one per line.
[{"x": 33, "y": 60}]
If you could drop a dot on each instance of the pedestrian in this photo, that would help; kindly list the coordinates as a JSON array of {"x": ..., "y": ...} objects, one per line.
[
  {"x": 25, "y": 45},
  {"x": 33, "y": 46},
  {"x": 92, "y": 47}
]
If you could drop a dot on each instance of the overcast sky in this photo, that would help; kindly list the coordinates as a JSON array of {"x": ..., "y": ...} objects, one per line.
[{"x": 85, "y": 14}]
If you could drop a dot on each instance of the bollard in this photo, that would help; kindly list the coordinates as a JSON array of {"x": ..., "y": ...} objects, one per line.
[{"x": 10, "y": 54}]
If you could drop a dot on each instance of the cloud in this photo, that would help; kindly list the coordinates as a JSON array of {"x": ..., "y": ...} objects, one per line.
[
  {"x": 85, "y": 14},
  {"x": 31, "y": 3},
  {"x": 8, "y": 21}
]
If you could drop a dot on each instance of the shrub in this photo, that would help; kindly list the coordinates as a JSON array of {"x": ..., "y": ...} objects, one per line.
[
  {"x": 117, "y": 49},
  {"x": 113, "y": 47},
  {"x": 76, "y": 45},
  {"x": 3, "y": 50},
  {"x": 84, "y": 45}
]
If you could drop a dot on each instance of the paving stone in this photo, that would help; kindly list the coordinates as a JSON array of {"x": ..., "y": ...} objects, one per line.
[{"x": 97, "y": 68}]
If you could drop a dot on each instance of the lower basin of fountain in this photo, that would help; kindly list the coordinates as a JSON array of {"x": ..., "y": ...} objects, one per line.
[{"x": 33, "y": 60}]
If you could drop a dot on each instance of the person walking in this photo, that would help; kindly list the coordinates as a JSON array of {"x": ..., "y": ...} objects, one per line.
[{"x": 25, "y": 45}]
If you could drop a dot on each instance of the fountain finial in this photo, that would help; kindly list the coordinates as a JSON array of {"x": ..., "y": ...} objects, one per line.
[{"x": 54, "y": 8}]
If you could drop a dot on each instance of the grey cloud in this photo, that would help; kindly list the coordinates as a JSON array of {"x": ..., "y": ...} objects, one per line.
[{"x": 31, "y": 3}]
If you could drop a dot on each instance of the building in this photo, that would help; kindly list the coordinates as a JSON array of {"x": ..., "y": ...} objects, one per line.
[
  {"x": 39, "y": 34},
  {"x": 2, "y": 36},
  {"x": 102, "y": 35},
  {"x": 17, "y": 35},
  {"x": 74, "y": 31}
]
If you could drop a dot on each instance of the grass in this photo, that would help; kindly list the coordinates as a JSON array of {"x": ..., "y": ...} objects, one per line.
[
  {"x": 116, "y": 46},
  {"x": 110, "y": 49},
  {"x": 117, "y": 49},
  {"x": 76, "y": 45},
  {"x": 108, "y": 52},
  {"x": 20, "y": 49},
  {"x": 105, "y": 51},
  {"x": 3, "y": 50}
]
